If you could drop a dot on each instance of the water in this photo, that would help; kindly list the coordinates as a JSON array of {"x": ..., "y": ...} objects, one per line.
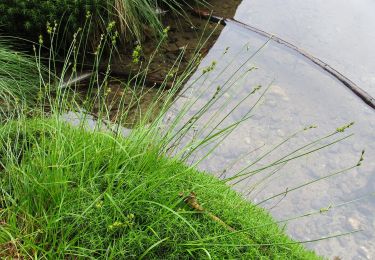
[
  {"x": 339, "y": 32},
  {"x": 301, "y": 94}
]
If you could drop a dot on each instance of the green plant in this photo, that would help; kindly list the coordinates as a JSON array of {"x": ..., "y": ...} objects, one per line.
[
  {"x": 20, "y": 79},
  {"x": 31, "y": 17},
  {"x": 67, "y": 193},
  {"x": 80, "y": 192}
]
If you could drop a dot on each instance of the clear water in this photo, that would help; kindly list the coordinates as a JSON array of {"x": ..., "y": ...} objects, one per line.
[
  {"x": 339, "y": 32},
  {"x": 342, "y": 34}
]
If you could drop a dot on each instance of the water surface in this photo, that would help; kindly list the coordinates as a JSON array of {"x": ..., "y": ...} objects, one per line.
[{"x": 340, "y": 33}]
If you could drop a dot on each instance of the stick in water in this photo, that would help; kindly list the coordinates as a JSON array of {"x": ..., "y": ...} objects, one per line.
[{"x": 362, "y": 94}]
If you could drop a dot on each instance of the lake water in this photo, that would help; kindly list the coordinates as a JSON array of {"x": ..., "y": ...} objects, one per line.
[{"x": 340, "y": 33}]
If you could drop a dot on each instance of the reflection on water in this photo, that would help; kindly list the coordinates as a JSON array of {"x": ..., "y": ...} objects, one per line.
[{"x": 301, "y": 94}]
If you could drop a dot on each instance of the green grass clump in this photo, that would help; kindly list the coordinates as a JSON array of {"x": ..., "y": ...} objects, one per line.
[
  {"x": 20, "y": 79},
  {"x": 67, "y": 192},
  {"x": 33, "y": 17}
]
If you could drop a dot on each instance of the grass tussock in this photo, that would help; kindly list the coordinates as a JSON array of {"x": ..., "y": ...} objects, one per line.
[{"x": 67, "y": 192}]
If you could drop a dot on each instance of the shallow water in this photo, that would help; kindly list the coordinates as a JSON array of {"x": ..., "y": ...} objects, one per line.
[
  {"x": 339, "y": 32},
  {"x": 301, "y": 94}
]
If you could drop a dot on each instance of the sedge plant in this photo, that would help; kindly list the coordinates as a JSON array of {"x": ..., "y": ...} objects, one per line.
[{"x": 73, "y": 191}]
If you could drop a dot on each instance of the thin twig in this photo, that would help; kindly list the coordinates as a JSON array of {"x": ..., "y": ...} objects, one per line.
[
  {"x": 192, "y": 201},
  {"x": 362, "y": 94}
]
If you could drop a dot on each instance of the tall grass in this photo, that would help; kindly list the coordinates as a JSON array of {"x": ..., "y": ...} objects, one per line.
[
  {"x": 20, "y": 79},
  {"x": 67, "y": 192}
]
